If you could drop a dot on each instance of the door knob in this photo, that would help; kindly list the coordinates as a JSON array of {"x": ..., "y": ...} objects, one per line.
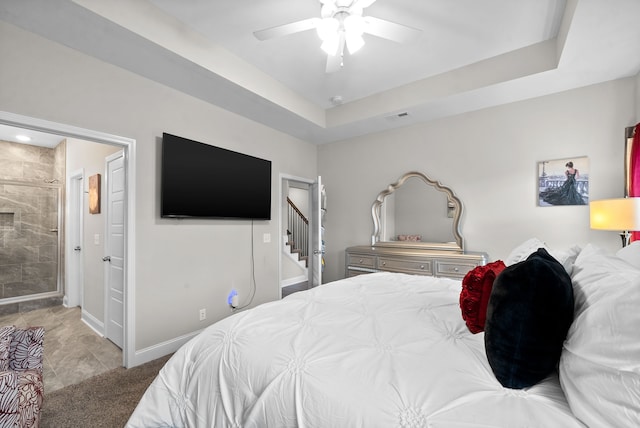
[
  {"x": 77, "y": 248},
  {"x": 106, "y": 259}
]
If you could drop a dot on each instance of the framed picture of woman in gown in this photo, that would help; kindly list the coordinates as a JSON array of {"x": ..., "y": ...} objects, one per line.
[{"x": 563, "y": 182}]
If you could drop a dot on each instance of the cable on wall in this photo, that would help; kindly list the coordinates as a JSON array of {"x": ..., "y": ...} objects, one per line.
[{"x": 253, "y": 275}]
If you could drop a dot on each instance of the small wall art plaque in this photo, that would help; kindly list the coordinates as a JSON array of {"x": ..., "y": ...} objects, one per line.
[{"x": 94, "y": 194}]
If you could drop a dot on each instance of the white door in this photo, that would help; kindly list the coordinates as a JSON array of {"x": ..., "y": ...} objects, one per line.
[
  {"x": 114, "y": 248},
  {"x": 316, "y": 229},
  {"x": 74, "y": 275}
]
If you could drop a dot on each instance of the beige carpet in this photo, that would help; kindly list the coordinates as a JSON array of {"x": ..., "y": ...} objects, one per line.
[{"x": 106, "y": 400}]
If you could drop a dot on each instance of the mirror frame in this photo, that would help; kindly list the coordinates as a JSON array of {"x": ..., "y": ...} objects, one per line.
[{"x": 454, "y": 204}]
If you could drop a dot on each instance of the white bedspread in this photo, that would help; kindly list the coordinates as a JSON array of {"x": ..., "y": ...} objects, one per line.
[{"x": 376, "y": 350}]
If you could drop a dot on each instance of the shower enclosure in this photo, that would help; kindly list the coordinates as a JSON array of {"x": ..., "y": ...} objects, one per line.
[{"x": 30, "y": 242}]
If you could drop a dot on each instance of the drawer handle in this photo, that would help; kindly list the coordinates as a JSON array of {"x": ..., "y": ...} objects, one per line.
[
  {"x": 384, "y": 263},
  {"x": 421, "y": 266},
  {"x": 456, "y": 269},
  {"x": 360, "y": 261}
]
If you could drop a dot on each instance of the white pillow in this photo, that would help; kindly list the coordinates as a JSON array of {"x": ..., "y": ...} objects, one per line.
[
  {"x": 600, "y": 362},
  {"x": 631, "y": 254},
  {"x": 566, "y": 257},
  {"x": 524, "y": 250}
]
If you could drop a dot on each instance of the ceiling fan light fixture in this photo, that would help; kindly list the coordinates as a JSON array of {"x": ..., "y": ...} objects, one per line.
[
  {"x": 354, "y": 28},
  {"x": 354, "y": 42},
  {"x": 354, "y": 24},
  {"x": 327, "y": 28},
  {"x": 341, "y": 25},
  {"x": 330, "y": 44},
  {"x": 328, "y": 9}
]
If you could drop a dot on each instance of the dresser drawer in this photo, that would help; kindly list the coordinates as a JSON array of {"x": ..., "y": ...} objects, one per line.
[
  {"x": 354, "y": 272},
  {"x": 357, "y": 260},
  {"x": 454, "y": 269},
  {"x": 422, "y": 267}
]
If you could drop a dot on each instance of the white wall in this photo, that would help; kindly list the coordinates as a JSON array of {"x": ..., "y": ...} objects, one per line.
[
  {"x": 300, "y": 197},
  {"x": 181, "y": 265},
  {"x": 489, "y": 158},
  {"x": 91, "y": 157}
]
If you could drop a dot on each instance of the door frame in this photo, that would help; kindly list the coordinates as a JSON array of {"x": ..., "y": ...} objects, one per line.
[
  {"x": 73, "y": 276},
  {"x": 129, "y": 147},
  {"x": 282, "y": 198}
]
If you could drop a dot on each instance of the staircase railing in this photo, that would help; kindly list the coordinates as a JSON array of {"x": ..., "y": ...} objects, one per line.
[{"x": 298, "y": 229}]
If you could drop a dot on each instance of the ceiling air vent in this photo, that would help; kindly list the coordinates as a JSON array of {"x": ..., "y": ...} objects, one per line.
[{"x": 397, "y": 116}]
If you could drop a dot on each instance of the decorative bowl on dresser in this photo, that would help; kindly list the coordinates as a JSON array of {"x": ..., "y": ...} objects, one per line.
[{"x": 415, "y": 206}]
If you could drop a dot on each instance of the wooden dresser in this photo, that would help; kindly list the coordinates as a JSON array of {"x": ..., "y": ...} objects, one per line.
[{"x": 367, "y": 259}]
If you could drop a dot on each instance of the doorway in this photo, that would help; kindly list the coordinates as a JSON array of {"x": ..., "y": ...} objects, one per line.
[
  {"x": 128, "y": 149},
  {"x": 302, "y": 207},
  {"x": 74, "y": 271}
]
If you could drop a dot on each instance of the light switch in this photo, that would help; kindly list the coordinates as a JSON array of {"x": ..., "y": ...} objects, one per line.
[{"x": 96, "y": 239}]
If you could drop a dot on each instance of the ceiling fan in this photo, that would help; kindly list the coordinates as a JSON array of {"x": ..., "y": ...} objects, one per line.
[{"x": 341, "y": 23}]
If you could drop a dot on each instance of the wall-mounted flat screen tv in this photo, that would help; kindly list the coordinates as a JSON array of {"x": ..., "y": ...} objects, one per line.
[{"x": 203, "y": 181}]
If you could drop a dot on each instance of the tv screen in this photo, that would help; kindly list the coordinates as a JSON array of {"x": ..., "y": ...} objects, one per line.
[{"x": 203, "y": 181}]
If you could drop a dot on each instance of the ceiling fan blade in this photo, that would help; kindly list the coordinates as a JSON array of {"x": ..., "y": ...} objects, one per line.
[
  {"x": 286, "y": 29},
  {"x": 390, "y": 30}
]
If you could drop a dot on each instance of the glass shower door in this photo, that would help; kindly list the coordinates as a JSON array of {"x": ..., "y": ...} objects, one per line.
[{"x": 29, "y": 240}]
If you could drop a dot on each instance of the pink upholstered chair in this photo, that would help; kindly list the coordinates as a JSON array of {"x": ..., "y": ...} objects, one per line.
[{"x": 21, "y": 386}]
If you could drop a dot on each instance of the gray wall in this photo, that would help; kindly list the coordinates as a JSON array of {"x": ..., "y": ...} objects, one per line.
[{"x": 489, "y": 158}]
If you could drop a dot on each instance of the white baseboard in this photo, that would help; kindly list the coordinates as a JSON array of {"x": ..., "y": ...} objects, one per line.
[
  {"x": 93, "y": 323},
  {"x": 292, "y": 281},
  {"x": 161, "y": 349}
]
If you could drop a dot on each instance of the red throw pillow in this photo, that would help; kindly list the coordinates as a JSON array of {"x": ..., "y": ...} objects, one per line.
[{"x": 476, "y": 289}]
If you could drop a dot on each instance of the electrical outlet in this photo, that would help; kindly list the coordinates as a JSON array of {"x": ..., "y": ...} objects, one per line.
[
  {"x": 203, "y": 314},
  {"x": 266, "y": 238}
]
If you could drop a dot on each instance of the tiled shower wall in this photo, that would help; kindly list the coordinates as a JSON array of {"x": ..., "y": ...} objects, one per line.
[{"x": 29, "y": 218}]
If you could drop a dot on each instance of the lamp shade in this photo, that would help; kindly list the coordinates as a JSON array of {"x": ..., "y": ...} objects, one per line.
[{"x": 615, "y": 214}]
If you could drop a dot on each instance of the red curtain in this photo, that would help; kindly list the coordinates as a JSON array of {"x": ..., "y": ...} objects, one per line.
[{"x": 634, "y": 172}]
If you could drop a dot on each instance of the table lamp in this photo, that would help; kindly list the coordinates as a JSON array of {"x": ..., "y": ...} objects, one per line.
[{"x": 622, "y": 214}]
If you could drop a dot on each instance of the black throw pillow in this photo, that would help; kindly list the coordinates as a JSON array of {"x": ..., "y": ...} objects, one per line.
[{"x": 529, "y": 313}]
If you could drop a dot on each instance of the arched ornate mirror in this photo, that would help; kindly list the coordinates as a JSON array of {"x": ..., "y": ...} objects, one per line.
[{"x": 417, "y": 212}]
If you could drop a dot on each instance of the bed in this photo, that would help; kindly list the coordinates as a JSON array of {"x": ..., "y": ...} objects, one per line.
[{"x": 393, "y": 350}]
